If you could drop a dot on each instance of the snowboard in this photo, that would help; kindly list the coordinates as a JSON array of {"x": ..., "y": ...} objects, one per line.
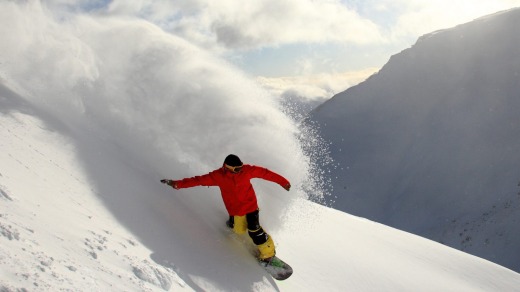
[{"x": 277, "y": 268}]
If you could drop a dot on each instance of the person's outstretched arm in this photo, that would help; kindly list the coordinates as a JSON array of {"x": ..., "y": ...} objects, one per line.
[
  {"x": 200, "y": 180},
  {"x": 264, "y": 173}
]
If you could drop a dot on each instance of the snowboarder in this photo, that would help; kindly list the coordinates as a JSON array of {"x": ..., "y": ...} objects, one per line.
[{"x": 239, "y": 197}]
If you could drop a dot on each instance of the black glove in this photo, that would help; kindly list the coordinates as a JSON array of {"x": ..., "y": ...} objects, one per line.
[
  {"x": 170, "y": 182},
  {"x": 287, "y": 187}
]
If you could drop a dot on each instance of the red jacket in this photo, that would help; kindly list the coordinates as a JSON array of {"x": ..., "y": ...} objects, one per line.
[{"x": 236, "y": 189}]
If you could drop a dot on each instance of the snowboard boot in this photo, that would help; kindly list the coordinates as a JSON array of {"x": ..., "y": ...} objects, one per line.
[
  {"x": 267, "y": 250},
  {"x": 237, "y": 223}
]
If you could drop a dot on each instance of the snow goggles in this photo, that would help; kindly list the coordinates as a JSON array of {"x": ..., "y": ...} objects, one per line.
[{"x": 234, "y": 169}]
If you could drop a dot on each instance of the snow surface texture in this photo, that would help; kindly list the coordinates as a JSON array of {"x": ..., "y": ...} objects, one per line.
[
  {"x": 58, "y": 232},
  {"x": 94, "y": 112},
  {"x": 430, "y": 143}
]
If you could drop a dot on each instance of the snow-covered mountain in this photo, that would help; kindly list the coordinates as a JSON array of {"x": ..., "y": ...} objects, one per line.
[
  {"x": 94, "y": 111},
  {"x": 429, "y": 144},
  {"x": 78, "y": 214}
]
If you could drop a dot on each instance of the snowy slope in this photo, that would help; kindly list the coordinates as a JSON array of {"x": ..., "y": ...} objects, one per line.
[
  {"x": 430, "y": 143},
  {"x": 95, "y": 111},
  {"x": 59, "y": 232},
  {"x": 56, "y": 232}
]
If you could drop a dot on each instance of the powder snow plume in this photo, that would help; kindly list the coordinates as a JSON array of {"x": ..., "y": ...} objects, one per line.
[{"x": 168, "y": 104}]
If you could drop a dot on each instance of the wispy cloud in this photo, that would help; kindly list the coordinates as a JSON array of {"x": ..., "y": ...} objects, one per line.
[
  {"x": 315, "y": 87},
  {"x": 273, "y": 37},
  {"x": 236, "y": 25},
  {"x": 231, "y": 25}
]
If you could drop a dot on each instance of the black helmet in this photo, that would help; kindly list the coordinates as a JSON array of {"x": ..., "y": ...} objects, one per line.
[{"x": 232, "y": 160}]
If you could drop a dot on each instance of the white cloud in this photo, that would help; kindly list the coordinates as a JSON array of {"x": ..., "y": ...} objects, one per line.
[
  {"x": 233, "y": 28},
  {"x": 236, "y": 25},
  {"x": 314, "y": 87}
]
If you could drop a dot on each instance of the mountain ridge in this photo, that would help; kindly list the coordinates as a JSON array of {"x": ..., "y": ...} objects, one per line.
[{"x": 427, "y": 143}]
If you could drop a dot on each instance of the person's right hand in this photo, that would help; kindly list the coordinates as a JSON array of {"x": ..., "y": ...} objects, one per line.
[{"x": 170, "y": 182}]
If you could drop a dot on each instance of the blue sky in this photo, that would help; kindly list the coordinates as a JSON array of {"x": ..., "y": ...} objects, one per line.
[{"x": 275, "y": 39}]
